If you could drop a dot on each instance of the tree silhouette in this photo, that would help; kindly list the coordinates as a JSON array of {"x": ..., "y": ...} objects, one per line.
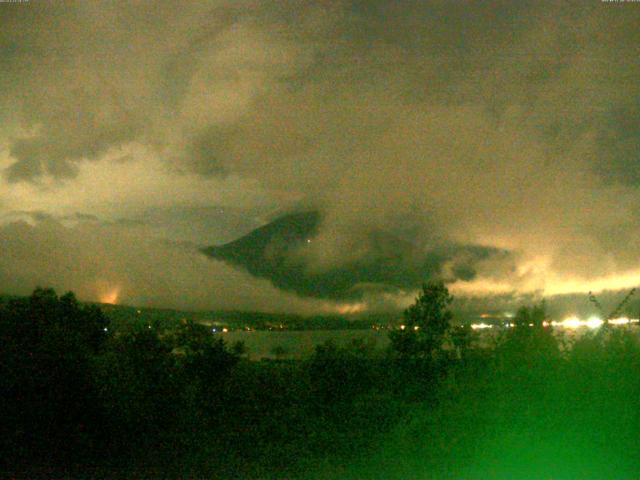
[
  {"x": 530, "y": 317},
  {"x": 47, "y": 397},
  {"x": 426, "y": 323},
  {"x": 531, "y": 339},
  {"x": 462, "y": 338}
]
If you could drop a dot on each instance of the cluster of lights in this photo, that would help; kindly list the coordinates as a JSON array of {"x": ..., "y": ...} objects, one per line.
[
  {"x": 569, "y": 322},
  {"x": 481, "y": 326},
  {"x": 415, "y": 327},
  {"x": 592, "y": 322}
]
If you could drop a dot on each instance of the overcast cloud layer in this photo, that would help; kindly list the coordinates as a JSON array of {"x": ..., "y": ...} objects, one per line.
[{"x": 513, "y": 125}]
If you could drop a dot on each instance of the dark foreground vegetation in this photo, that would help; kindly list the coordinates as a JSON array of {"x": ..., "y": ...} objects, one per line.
[{"x": 78, "y": 400}]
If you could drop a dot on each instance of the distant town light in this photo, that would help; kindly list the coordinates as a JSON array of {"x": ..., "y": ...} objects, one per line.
[
  {"x": 619, "y": 321},
  {"x": 570, "y": 322},
  {"x": 481, "y": 326},
  {"x": 594, "y": 322}
]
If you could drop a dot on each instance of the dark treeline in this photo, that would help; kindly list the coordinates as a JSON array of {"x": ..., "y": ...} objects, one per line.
[{"x": 80, "y": 400}]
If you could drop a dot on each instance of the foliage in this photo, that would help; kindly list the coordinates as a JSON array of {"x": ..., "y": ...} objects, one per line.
[
  {"x": 79, "y": 401},
  {"x": 339, "y": 373},
  {"x": 426, "y": 323},
  {"x": 205, "y": 357},
  {"x": 530, "y": 339},
  {"x": 462, "y": 337},
  {"x": 46, "y": 393},
  {"x": 137, "y": 385},
  {"x": 530, "y": 316}
]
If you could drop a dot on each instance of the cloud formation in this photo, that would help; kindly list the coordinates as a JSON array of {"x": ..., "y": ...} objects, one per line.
[
  {"x": 512, "y": 126},
  {"x": 111, "y": 263}
]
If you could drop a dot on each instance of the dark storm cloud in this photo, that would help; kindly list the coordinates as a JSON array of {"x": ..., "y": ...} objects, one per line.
[
  {"x": 508, "y": 125},
  {"x": 619, "y": 140}
]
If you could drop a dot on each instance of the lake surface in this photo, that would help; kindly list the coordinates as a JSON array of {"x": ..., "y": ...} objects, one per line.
[{"x": 299, "y": 344}]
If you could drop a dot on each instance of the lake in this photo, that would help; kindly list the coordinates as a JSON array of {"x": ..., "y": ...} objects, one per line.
[{"x": 297, "y": 344}]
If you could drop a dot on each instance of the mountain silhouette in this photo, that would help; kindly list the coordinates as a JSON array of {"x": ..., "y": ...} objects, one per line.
[{"x": 390, "y": 263}]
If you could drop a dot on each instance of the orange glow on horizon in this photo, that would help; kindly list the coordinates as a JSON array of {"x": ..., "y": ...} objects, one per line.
[
  {"x": 350, "y": 308},
  {"x": 110, "y": 297}
]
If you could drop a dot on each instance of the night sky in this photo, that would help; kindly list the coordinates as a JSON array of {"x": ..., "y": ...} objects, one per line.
[{"x": 134, "y": 134}]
